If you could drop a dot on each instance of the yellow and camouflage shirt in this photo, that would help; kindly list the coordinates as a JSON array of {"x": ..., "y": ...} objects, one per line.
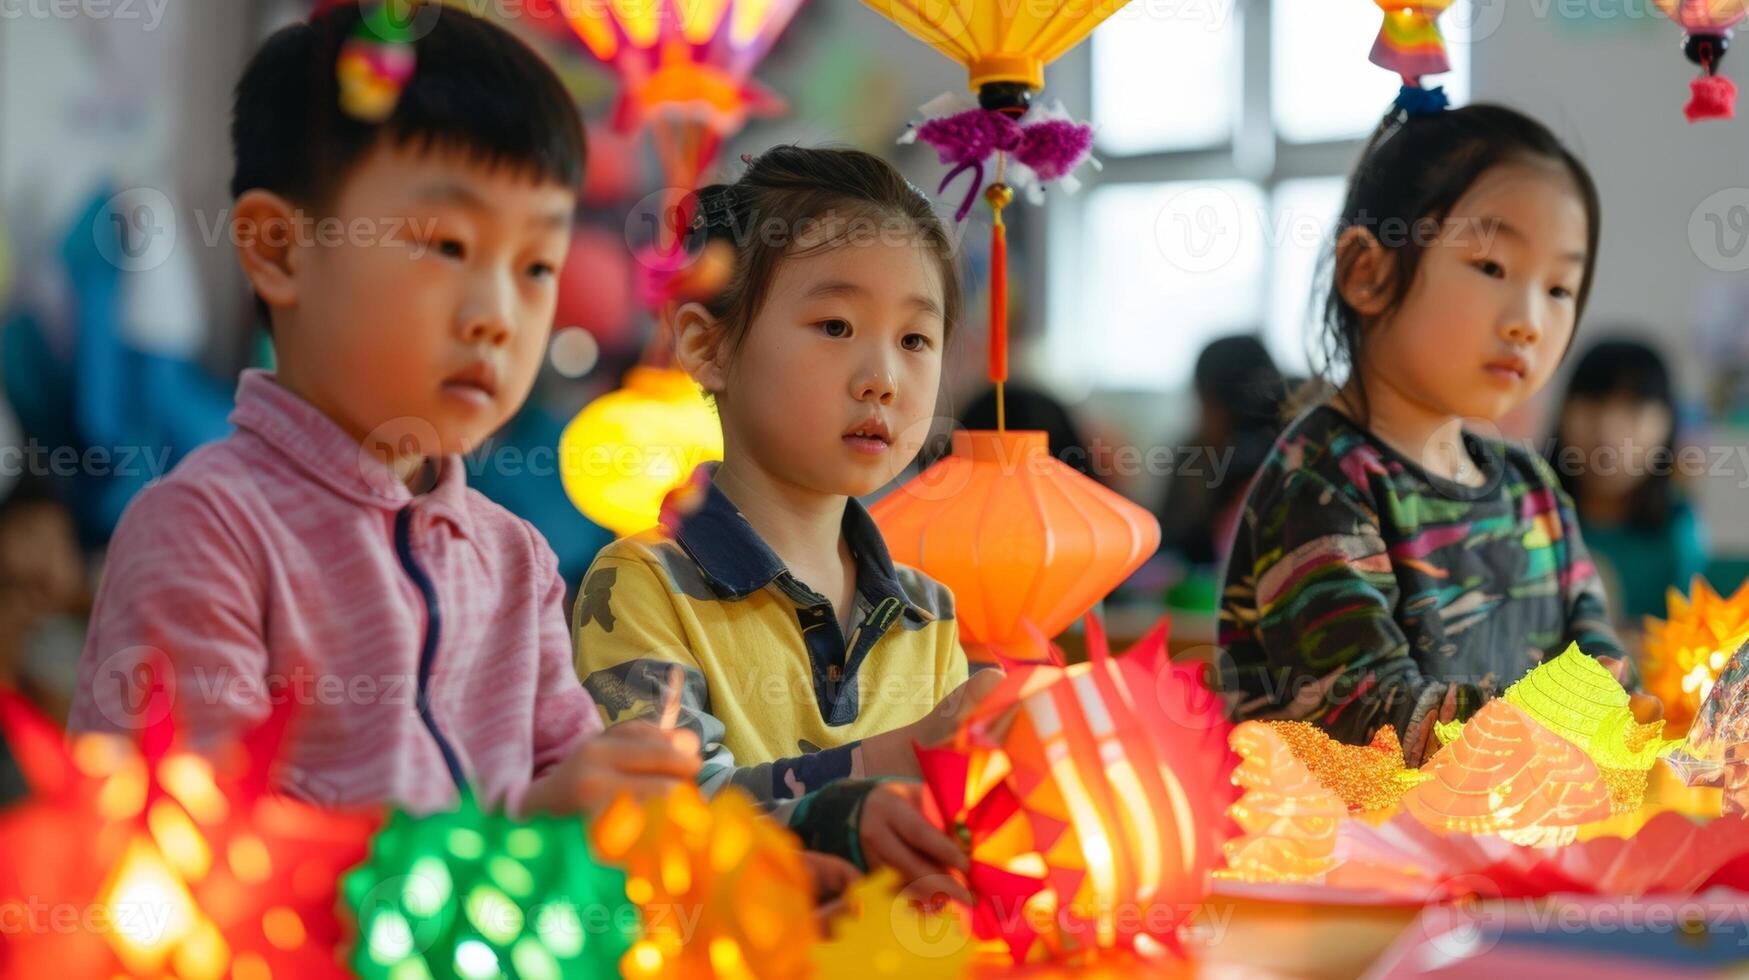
[{"x": 777, "y": 694}]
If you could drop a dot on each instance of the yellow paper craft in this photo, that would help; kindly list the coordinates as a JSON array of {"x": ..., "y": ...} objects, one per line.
[
  {"x": 1364, "y": 777},
  {"x": 1578, "y": 699},
  {"x": 1685, "y": 653},
  {"x": 885, "y": 934},
  {"x": 1287, "y": 819},
  {"x": 1508, "y": 775}
]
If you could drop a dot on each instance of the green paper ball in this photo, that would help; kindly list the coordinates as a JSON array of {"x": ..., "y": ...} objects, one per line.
[{"x": 471, "y": 895}]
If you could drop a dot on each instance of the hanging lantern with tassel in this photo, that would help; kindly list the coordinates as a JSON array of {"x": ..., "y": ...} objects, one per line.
[
  {"x": 1707, "y": 27},
  {"x": 1020, "y": 538}
]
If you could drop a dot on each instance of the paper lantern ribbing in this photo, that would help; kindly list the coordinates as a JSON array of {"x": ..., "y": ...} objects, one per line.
[
  {"x": 1111, "y": 778},
  {"x": 626, "y": 450},
  {"x": 685, "y": 69},
  {"x": 1578, "y": 699},
  {"x": 1707, "y": 26},
  {"x": 470, "y": 894},
  {"x": 1019, "y": 537},
  {"x": 184, "y": 867},
  {"x": 738, "y": 878},
  {"x": 1686, "y": 653},
  {"x": 1287, "y": 819},
  {"x": 999, "y": 42},
  {"x": 1509, "y": 776}
]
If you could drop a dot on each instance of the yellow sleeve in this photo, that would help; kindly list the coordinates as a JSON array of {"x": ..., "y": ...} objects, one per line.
[{"x": 627, "y": 636}]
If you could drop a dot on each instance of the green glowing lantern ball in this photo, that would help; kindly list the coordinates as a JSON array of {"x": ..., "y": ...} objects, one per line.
[{"x": 467, "y": 895}]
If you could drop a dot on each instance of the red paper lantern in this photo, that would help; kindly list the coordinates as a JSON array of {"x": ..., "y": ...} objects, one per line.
[
  {"x": 1018, "y": 536},
  {"x": 150, "y": 862},
  {"x": 1092, "y": 800}
]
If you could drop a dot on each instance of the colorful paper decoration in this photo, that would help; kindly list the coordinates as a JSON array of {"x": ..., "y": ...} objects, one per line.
[
  {"x": 1670, "y": 856},
  {"x": 377, "y": 61},
  {"x": 470, "y": 894},
  {"x": 685, "y": 69},
  {"x": 885, "y": 934},
  {"x": 723, "y": 889},
  {"x": 1684, "y": 654},
  {"x": 1366, "y": 778},
  {"x": 1286, "y": 818},
  {"x": 1707, "y": 27},
  {"x": 1508, "y": 775},
  {"x": 999, "y": 42},
  {"x": 1019, "y": 537},
  {"x": 1104, "y": 786},
  {"x": 1410, "y": 43},
  {"x": 1578, "y": 699},
  {"x": 626, "y": 450},
  {"x": 177, "y": 866}
]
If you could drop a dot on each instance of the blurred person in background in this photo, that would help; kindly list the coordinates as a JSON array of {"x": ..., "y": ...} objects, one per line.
[
  {"x": 1614, "y": 450},
  {"x": 1239, "y": 394}
]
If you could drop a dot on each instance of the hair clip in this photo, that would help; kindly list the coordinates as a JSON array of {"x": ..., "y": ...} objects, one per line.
[
  {"x": 376, "y": 62},
  {"x": 1414, "y": 101}
]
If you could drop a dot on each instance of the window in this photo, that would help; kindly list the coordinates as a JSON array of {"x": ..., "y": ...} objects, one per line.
[{"x": 1226, "y": 131}]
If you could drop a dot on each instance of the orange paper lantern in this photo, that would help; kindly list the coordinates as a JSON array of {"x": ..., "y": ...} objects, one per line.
[
  {"x": 1507, "y": 775},
  {"x": 1685, "y": 653},
  {"x": 1019, "y": 537}
]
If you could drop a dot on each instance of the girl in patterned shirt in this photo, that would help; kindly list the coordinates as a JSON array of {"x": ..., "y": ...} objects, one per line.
[{"x": 1393, "y": 567}]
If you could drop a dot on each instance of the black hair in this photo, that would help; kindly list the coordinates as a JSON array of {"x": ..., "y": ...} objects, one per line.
[
  {"x": 1238, "y": 373},
  {"x": 785, "y": 189},
  {"x": 476, "y": 88},
  {"x": 1617, "y": 368},
  {"x": 1414, "y": 170}
]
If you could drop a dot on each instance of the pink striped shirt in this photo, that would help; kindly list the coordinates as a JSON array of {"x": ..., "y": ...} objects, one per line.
[{"x": 423, "y": 638}]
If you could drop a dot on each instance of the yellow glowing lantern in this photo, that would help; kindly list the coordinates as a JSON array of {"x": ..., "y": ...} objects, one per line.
[
  {"x": 626, "y": 450},
  {"x": 1685, "y": 653},
  {"x": 999, "y": 42}
]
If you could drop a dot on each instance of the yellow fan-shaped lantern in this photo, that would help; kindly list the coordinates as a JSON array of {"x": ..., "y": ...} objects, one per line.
[
  {"x": 626, "y": 450},
  {"x": 999, "y": 42}
]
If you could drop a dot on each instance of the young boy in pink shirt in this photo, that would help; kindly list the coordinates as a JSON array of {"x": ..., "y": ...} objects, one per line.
[{"x": 329, "y": 550}]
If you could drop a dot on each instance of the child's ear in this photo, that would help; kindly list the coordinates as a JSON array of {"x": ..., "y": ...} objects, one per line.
[
  {"x": 262, "y": 225},
  {"x": 1364, "y": 269},
  {"x": 698, "y": 347}
]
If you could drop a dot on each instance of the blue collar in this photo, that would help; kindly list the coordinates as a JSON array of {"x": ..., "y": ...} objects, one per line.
[{"x": 737, "y": 562}]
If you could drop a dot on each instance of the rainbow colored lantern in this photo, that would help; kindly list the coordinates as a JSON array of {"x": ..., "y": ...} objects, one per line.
[
  {"x": 471, "y": 895},
  {"x": 1578, "y": 699},
  {"x": 724, "y": 889},
  {"x": 622, "y": 455},
  {"x": 377, "y": 61},
  {"x": 1686, "y": 653},
  {"x": 180, "y": 867},
  {"x": 685, "y": 69},
  {"x": 1707, "y": 27},
  {"x": 1410, "y": 43},
  {"x": 1097, "y": 792},
  {"x": 1023, "y": 541}
]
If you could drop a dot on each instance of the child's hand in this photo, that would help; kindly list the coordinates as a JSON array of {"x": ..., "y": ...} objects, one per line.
[
  {"x": 832, "y": 877},
  {"x": 890, "y": 754},
  {"x": 635, "y": 757},
  {"x": 895, "y": 834}
]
